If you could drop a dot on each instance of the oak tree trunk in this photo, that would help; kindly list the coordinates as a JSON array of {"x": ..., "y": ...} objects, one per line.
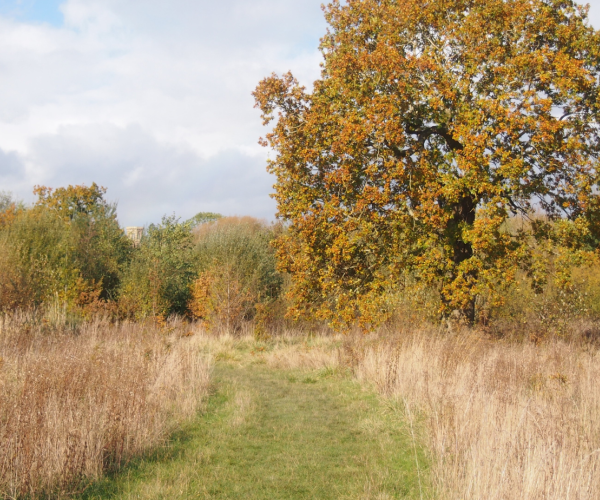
[{"x": 463, "y": 215}]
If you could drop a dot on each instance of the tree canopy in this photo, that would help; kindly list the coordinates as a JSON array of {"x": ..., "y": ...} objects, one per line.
[
  {"x": 204, "y": 218},
  {"x": 431, "y": 124},
  {"x": 94, "y": 244},
  {"x": 73, "y": 201}
]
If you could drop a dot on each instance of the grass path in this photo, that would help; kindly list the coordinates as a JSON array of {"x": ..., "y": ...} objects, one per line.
[{"x": 278, "y": 434}]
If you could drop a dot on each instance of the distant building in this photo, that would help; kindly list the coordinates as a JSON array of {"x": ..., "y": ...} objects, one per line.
[{"x": 134, "y": 233}]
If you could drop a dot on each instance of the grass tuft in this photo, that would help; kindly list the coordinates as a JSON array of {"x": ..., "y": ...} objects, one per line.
[{"x": 73, "y": 407}]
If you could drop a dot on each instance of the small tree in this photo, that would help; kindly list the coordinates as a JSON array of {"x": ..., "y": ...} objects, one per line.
[
  {"x": 238, "y": 275},
  {"x": 98, "y": 247},
  {"x": 431, "y": 124},
  {"x": 73, "y": 201},
  {"x": 157, "y": 282}
]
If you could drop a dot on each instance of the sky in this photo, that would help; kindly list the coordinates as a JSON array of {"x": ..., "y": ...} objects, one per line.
[{"x": 150, "y": 99}]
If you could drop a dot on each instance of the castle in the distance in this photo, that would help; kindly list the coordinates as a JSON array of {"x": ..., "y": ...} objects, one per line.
[{"x": 134, "y": 233}]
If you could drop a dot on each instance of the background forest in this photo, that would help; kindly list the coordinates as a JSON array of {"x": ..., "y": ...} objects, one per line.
[{"x": 67, "y": 251}]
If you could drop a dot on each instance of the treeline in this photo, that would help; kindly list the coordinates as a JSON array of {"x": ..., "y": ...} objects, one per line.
[{"x": 68, "y": 250}]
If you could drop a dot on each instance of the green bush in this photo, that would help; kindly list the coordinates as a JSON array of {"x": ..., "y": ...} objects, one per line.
[
  {"x": 157, "y": 281},
  {"x": 550, "y": 310},
  {"x": 46, "y": 254},
  {"x": 238, "y": 278},
  {"x": 100, "y": 250},
  {"x": 39, "y": 247}
]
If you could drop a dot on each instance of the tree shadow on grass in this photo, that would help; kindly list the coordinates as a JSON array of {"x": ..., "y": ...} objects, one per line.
[{"x": 175, "y": 447}]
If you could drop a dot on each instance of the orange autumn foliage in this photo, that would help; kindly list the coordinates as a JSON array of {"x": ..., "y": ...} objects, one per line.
[
  {"x": 433, "y": 123},
  {"x": 220, "y": 300},
  {"x": 72, "y": 200}
]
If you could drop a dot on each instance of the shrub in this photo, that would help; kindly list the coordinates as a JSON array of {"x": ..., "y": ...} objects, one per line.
[
  {"x": 36, "y": 265},
  {"x": 237, "y": 271},
  {"x": 98, "y": 247},
  {"x": 49, "y": 253},
  {"x": 157, "y": 281}
]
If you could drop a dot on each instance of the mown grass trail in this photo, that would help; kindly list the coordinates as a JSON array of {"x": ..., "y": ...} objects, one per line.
[{"x": 279, "y": 434}]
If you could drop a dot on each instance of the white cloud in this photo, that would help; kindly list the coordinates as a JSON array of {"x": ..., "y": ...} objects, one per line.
[
  {"x": 149, "y": 178},
  {"x": 594, "y": 12},
  {"x": 11, "y": 167},
  {"x": 151, "y": 99}
]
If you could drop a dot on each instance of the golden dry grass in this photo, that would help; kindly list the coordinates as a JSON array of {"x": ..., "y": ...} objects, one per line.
[
  {"x": 501, "y": 421},
  {"x": 319, "y": 353},
  {"x": 74, "y": 405}
]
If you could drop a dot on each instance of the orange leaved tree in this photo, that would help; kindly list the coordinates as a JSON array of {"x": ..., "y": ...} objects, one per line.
[
  {"x": 72, "y": 201},
  {"x": 431, "y": 124}
]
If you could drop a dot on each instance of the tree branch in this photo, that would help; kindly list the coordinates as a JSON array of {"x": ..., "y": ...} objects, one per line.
[{"x": 453, "y": 144}]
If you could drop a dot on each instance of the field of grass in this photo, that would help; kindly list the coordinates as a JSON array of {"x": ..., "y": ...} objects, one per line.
[
  {"x": 503, "y": 420},
  {"x": 76, "y": 404},
  {"x": 142, "y": 412}
]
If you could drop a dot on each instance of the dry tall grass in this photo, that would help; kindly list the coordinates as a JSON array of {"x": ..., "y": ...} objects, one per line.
[
  {"x": 75, "y": 405},
  {"x": 319, "y": 353},
  {"x": 502, "y": 421}
]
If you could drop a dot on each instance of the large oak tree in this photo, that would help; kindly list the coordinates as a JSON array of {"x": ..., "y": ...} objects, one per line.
[{"x": 432, "y": 123}]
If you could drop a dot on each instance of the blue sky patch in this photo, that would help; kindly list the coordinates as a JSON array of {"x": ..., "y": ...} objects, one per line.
[{"x": 33, "y": 11}]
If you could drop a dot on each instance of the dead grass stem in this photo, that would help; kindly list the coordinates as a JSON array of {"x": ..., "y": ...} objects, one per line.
[
  {"x": 74, "y": 405},
  {"x": 501, "y": 420}
]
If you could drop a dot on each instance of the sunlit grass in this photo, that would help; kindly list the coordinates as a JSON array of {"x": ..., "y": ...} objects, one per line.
[{"x": 281, "y": 433}]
